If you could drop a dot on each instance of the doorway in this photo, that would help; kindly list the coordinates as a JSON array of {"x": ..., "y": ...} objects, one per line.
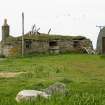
[{"x": 103, "y": 45}]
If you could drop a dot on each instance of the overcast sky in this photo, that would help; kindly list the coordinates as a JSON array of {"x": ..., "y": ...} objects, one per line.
[{"x": 69, "y": 17}]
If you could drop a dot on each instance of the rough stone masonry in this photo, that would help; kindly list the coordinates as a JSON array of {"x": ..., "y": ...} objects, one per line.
[{"x": 101, "y": 42}]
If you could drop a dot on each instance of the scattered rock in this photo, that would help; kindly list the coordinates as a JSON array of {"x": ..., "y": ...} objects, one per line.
[
  {"x": 26, "y": 95},
  {"x": 57, "y": 88},
  {"x": 88, "y": 50}
]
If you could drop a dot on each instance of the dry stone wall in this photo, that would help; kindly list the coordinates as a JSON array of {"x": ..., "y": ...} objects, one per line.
[{"x": 37, "y": 46}]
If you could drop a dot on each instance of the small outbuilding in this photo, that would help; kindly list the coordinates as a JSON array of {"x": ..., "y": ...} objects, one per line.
[{"x": 101, "y": 42}]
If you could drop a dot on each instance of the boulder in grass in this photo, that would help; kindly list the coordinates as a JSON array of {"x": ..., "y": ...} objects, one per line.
[
  {"x": 57, "y": 88},
  {"x": 26, "y": 95}
]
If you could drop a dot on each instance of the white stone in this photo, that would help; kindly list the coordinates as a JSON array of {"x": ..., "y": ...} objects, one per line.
[{"x": 25, "y": 95}]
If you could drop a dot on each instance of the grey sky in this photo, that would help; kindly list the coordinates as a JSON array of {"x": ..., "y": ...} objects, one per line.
[{"x": 69, "y": 17}]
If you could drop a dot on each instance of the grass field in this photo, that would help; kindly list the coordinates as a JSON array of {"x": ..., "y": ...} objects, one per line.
[{"x": 84, "y": 76}]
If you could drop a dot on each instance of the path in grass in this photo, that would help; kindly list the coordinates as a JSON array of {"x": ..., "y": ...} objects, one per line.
[{"x": 10, "y": 74}]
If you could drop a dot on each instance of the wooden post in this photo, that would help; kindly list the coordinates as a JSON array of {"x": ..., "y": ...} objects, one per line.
[{"x": 22, "y": 34}]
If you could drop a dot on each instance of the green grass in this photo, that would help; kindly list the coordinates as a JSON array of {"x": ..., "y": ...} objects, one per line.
[{"x": 84, "y": 76}]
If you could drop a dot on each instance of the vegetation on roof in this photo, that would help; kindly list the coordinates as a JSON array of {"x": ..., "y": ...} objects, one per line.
[{"x": 44, "y": 37}]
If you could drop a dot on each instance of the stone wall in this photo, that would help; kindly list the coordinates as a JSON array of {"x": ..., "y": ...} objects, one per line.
[
  {"x": 99, "y": 41},
  {"x": 65, "y": 46},
  {"x": 74, "y": 45},
  {"x": 37, "y": 46},
  {"x": 11, "y": 49},
  {"x": 15, "y": 49}
]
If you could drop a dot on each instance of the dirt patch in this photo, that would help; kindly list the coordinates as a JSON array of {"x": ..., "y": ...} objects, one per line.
[{"x": 9, "y": 74}]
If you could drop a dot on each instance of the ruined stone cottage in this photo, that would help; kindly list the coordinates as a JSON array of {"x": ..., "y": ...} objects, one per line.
[{"x": 41, "y": 43}]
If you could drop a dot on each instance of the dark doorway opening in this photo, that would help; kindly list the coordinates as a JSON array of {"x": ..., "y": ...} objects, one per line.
[
  {"x": 53, "y": 43},
  {"x": 53, "y": 47},
  {"x": 76, "y": 43},
  {"x": 103, "y": 45}
]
